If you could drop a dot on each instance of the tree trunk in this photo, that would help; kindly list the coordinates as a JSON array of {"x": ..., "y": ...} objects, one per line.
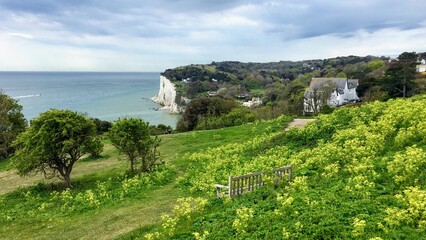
[
  {"x": 132, "y": 164},
  {"x": 66, "y": 172},
  {"x": 404, "y": 91},
  {"x": 144, "y": 167},
  {"x": 68, "y": 180}
]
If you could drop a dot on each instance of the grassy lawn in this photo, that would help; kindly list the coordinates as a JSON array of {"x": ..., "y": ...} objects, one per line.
[
  {"x": 257, "y": 91},
  {"x": 131, "y": 215},
  {"x": 4, "y": 164},
  {"x": 105, "y": 223},
  {"x": 108, "y": 165},
  {"x": 176, "y": 144}
]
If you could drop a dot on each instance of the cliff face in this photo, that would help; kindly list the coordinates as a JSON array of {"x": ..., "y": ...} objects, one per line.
[{"x": 168, "y": 97}]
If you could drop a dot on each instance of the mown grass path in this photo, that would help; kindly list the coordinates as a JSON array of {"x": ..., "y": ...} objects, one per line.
[{"x": 299, "y": 122}]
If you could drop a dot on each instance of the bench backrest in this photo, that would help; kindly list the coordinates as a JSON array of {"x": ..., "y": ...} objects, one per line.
[{"x": 249, "y": 182}]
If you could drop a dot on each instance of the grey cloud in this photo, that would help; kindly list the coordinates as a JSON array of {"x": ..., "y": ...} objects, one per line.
[
  {"x": 343, "y": 18},
  {"x": 290, "y": 19},
  {"x": 41, "y": 6},
  {"x": 98, "y": 17},
  {"x": 200, "y": 6}
]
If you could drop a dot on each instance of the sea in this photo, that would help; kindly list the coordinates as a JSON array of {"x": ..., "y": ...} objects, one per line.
[{"x": 104, "y": 95}]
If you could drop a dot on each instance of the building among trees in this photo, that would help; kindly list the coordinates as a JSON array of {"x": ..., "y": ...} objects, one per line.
[
  {"x": 421, "y": 67},
  {"x": 329, "y": 91}
]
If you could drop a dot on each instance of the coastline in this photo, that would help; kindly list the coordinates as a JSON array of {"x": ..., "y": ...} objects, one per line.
[
  {"x": 169, "y": 98},
  {"x": 107, "y": 96}
]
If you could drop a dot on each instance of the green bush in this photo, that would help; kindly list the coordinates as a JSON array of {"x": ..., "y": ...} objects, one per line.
[
  {"x": 12, "y": 123},
  {"x": 203, "y": 108},
  {"x": 235, "y": 117}
]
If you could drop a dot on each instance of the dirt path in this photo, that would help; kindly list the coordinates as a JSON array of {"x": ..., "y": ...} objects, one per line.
[{"x": 299, "y": 123}]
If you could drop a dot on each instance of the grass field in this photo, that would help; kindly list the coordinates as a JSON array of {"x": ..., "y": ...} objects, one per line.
[
  {"x": 358, "y": 173},
  {"x": 257, "y": 91},
  {"x": 121, "y": 218}
]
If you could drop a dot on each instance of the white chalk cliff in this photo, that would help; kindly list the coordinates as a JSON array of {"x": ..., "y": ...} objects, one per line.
[{"x": 168, "y": 97}]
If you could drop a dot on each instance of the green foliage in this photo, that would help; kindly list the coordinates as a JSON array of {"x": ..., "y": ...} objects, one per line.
[
  {"x": 160, "y": 129},
  {"x": 201, "y": 108},
  {"x": 326, "y": 109},
  {"x": 282, "y": 83},
  {"x": 341, "y": 75},
  {"x": 143, "y": 202},
  {"x": 43, "y": 202},
  {"x": 399, "y": 79},
  {"x": 132, "y": 137},
  {"x": 182, "y": 211},
  {"x": 196, "y": 73},
  {"x": 234, "y": 159},
  {"x": 376, "y": 64},
  {"x": 235, "y": 117},
  {"x": 54, "y": 142},
  {"x": 101, "y": 125},
  {"x": 12, "y": 122},
  {"x": 95, "y": 149},
  {"x": 358, "y": 173}
]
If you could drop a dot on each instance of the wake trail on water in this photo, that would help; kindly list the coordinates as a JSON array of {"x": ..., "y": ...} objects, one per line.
[{"x": 27, "y": 96}]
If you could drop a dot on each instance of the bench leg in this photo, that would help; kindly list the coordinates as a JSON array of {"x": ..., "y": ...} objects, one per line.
[{"x": 219, "y": 192}]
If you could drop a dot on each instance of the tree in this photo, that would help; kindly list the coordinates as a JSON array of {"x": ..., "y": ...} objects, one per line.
[
  {"x": 203, "y": 108},
  {"x": 101, "y": 125},
  {"x": 319, "y": 96},
  {"x": 132, "y": 137},
  {"x": 399, "y": 79},
  {"x": 53, "y": 143},
  {"x": 12, "y": 122},
  {"x": 375, "y": 64}
]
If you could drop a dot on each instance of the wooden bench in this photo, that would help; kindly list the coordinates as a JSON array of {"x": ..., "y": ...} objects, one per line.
[{"x": 238, "y": 185}]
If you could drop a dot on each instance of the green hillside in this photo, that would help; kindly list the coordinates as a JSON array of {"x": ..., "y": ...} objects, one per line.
[
  {"x": 358, "y": 173},
  {"x": 105, "y": 203},
  {"x": 281, "y": 85},
  {"x": 268, "y": 80}
]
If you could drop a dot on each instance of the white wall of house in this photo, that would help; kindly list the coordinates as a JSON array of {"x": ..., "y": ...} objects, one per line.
[
  {"x": 421, "y": 68},
  {"x": 348, "y": 95}
]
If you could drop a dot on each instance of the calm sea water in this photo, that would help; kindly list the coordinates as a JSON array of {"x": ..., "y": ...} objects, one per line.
[{"x": 107, "y": 96}]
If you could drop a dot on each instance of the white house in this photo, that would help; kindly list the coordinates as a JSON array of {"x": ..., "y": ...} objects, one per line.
[
  {"x": 186, "y": 80},
  {"x": 421, "y": 67},
  {"x": 341, "y": 91},
  {"x": 253, "y": 103}
]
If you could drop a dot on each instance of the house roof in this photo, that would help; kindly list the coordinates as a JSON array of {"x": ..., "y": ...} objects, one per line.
[{"x": 340, "y": 82}]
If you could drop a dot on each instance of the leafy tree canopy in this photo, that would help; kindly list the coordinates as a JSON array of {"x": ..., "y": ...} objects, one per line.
[
  {"x": 202, "y": 108},
  {"x": 399, "y": 79},
  {"x": 132, "y": 136},
  {"x": 53, "y": 143},
  {"x": 12, "y": 122}
]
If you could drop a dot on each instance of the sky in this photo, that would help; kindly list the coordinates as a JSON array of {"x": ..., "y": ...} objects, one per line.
[{"x": 154, "y": 35}]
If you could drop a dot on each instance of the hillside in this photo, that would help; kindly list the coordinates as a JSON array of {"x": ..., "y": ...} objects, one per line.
[
  {"x": 105, "y": 203},
  {"x": 246, "y": 80},
  {"x": 358, "y": 173},
  {"x": 281, "y": 85}
]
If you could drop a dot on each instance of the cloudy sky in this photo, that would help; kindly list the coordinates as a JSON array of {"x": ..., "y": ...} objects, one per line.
[{"x": 153, "y": 35}]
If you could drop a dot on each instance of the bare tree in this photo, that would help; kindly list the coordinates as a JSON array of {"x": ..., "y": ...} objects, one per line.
[{"x": 319, "y": 96}]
